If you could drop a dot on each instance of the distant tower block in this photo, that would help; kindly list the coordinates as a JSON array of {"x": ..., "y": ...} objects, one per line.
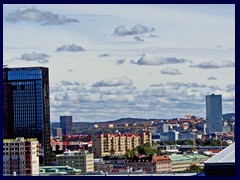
[{"x": 214, "y": 113}]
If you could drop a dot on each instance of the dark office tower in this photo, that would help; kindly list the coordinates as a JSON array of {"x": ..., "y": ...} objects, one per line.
[
  {"x": 26, "y": 106},
  {"x": 66, "y": 125},
  {"x": 214, "y": 113}
]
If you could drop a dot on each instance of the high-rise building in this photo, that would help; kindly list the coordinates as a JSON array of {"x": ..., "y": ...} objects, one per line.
[
  {"x": 66, "y": 125},
  {"x": 214, "y": 113},
  {"x": 20, "y": 156},
  {"x": 26, "y": 106}
]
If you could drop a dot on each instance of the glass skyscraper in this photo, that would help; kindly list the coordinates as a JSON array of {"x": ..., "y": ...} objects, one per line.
[
  {"x": 66, "y": 125},
  {"x": 214, "y": 113},
  {"x": 26, "y": 106}
]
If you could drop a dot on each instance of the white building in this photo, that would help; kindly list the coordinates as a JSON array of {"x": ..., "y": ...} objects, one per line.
[{"x": 20, "y": 156}]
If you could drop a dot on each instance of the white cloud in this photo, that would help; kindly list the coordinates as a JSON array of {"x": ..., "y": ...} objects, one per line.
[
  {"x": 137, "y": 29},
  {"x": 35, "y": 15},
  {"x": 120, "y": 61},
  {"x": 111, "y": 99},
  {"x": 104, "y": 55},
  {"x": 70, "y": 48},
  {"x": 39, "y": 57},
  {"x": 137, "y": 38},
  {"x": 69, "y": 83},
  {"x": 214, "y": 64},
  {"x": 113, "y": 82},
  {"x": 152, "y": 60},
  {"x": 171, "y": 71},
  {"x": 212, "y": 78}
]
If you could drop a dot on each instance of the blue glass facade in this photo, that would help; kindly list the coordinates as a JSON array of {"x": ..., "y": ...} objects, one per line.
[
  {"x": 66, "y": 125},
  {"x": 26, "y": 105},
  {"x": 214, "y": 113}
]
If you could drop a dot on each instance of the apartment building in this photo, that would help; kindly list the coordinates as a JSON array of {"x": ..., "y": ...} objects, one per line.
[
  {"x": 20, "y": 156},
  {"x": 109, "y": 144},
  {"x": 76, "y": 159}
]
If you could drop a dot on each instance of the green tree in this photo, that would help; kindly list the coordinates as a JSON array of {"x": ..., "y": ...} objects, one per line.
[
  {"x": 53, "y": 157},
  {"x": 195, "y": 168}
]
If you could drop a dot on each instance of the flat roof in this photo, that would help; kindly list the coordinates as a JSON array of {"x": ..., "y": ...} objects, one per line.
[{"x": 227, "y": 155}]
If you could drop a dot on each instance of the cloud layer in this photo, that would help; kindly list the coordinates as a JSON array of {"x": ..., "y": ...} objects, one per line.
[
  {"x": 214, "y": 64},
  {"x": 70, "y": 48},
  {"x": 137, "y": 29},
  {"x": 117, "y": 97},
  {"x": 35, "y": 15},
  {"x": 148, "y": 59}
]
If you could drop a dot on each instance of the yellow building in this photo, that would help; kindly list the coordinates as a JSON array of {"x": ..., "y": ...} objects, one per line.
[{"x": 109, "y": 144}]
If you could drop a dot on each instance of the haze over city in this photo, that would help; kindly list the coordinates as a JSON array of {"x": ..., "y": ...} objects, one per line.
[{"x": 110, "y": 61}]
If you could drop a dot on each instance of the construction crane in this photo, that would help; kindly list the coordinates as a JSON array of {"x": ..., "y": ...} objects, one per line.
[{"x": 194, "y": 129}]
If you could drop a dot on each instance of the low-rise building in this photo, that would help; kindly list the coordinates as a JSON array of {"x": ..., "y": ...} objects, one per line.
[
  {"x": 182, "y": 163},
  {"x": 151, "y": 164},
  {"x": 198, "y": 159},
  {"x": 58, "y": 171},
  {"x": 76, "y": 159}
]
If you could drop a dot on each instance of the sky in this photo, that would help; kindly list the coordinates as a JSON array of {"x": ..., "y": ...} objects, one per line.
[{"x": 112, "y": 61}]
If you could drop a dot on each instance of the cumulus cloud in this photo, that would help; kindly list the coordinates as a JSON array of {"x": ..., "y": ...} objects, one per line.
[
  {"x": 170, "y": 71},
  {"x": 104, "y": 55},
  {"x": 212, "y": 78},
  {"x": 137, "y": 38},
  {"x": 35, "y": 15},
  {"x": 137, "y": 29},
  {"x": 148, "y": 59},
  {"x": 120, "y": 61},
  {"x": 113, "y": 82},
  {"x": 70, "y": 48},
  {"x": 214, "y": 64},
  {"x": 39, "y": 57}
]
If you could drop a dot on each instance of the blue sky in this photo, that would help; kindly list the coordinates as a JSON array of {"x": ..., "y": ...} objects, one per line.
[{"x": 110, "y": 61}]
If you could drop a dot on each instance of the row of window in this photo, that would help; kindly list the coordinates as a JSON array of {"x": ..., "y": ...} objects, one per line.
[{"x": 25, "y": 74}]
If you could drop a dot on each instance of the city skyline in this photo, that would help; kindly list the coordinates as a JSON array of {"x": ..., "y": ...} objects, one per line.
[{"x": 152, "y": 61}]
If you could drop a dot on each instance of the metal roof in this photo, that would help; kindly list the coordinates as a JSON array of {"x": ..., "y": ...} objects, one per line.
[{"x": 227, "y": 155}]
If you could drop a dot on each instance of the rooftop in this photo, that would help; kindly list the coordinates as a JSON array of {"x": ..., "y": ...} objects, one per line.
[{"x": 227, "y": 155}]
